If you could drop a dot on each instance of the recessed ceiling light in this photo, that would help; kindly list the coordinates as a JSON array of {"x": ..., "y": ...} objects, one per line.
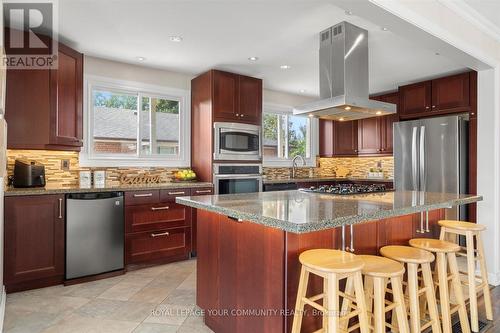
[
  {"x": 347, "y": 108},
  {"x": 302, "y": 90},
  {"x": 175, "y": 39},
  {"x": 140, "y": 58},
  {"x": 285, "y": 66},
  {"x": 341, "y": 119},
  {"x": 253, "y": 58},
  {"x": 437, "y": 53},
  {"x": 385, "y": 29},
  {"x": 311, "y": 115},
  {"x": 378, "y": 113},
  {"x": 348, "y": 12}
]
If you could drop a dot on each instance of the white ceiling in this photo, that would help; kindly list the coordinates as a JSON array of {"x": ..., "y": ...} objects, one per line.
[
  {"x": 486, "y": 11},
  {"x": 223, "y": 34}
]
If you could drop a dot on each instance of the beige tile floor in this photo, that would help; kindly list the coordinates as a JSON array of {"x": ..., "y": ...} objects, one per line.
[{"x": 157, "y": 299}]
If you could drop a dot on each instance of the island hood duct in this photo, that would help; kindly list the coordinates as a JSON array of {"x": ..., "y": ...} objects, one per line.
[{"x": 343, "y": 77}]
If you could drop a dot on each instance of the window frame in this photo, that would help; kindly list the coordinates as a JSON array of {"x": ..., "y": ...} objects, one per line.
[
  {"x": 313, "y": 137},
  {"x": 87, "y": 156}
]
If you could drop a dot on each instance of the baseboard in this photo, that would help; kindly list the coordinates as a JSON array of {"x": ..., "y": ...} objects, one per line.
[{"x": 2, "y": 307}]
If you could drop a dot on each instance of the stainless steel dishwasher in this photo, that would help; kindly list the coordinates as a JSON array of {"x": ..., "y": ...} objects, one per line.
[{"x": 94, "y": 233}]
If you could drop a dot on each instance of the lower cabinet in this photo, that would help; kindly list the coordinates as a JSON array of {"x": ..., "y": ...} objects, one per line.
[
  {"x": 34, "y": 241},
  {"x": 156, "y": 228},
  {"x": 194, "y": 219}
]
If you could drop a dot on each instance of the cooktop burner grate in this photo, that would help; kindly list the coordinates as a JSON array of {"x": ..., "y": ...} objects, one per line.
[{"x": 347, "y": 189}]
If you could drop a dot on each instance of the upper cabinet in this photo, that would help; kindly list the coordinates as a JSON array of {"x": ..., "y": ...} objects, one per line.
[
  {"x": 236, "y": 98},
  {"x": 47, "y": 104},
  {"x": 345, "y": 138},
  {"x": 450, "y": 94}
]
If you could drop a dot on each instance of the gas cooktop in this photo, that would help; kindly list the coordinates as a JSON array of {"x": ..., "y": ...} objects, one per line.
[{"x": 347, "y": 189}]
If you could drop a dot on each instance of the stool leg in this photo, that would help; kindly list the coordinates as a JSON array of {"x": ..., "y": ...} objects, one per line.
[
  {"x": 361, "y": 304},
  {"x": 368, "y": 296},
  {"x": 325, "y": 302},
  {"x": 459, "y": 296},
  {"x": 299, "y": 303},
  {"x": 413, "y": 293},
  {"x": 397, "y": 294},
  {"x": 346, "y": 303},
  {"x": 444, "y": 299},
  {"x": 484, "y": 277},
  {"x": 471, "y": 272},
  {"x": 431, "y": 298},
  {"x": 332, "y": 304},
  {"x": 379, "y": 304}
]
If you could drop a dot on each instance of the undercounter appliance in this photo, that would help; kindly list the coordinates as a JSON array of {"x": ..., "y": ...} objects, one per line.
[
  {"x": 94, "y": 233},
  {"x": 236, "y": 141},
  {"x": 432, "y": 155},
  {"x": 237, "y": 178}
]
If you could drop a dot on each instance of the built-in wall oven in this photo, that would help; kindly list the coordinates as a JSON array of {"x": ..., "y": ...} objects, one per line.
[
  {"x": 237, "y": 178},
  {"x": 235, "y": 141}
]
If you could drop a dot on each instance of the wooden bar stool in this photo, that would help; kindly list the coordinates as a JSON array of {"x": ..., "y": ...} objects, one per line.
[
  {"x": 379, "y": 272},
  {"x": 416, "y": 261},
  {"x": 451, "y": 229},
  {"x": 332, "y": 266},
  {"x": 446, "y": 258}
]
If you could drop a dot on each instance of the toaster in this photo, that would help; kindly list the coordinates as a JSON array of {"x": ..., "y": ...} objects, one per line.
[{"x": 28, "y": 174}]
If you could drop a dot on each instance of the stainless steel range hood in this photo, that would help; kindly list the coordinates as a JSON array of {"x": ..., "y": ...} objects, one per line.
[{"x": 343, "y": 77}]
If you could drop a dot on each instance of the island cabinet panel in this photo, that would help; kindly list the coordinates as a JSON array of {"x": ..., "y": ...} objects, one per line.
[
  {"x": 194, "y": 216},
  {"x": 240, "y": 268},
  {"x": 365, "y": 238},
  {"x": 34, "y": 241},
  {"x": 422, "y": 229},
  {"x": 397, "y": 230}
]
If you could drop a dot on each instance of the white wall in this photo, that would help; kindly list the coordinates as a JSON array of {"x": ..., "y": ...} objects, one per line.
[{"x": 130, "y": 72}]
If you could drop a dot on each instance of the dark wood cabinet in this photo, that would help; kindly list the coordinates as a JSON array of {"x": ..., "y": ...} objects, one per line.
[
  {"x": 34, "y": 241},
  {"x": 326, "y": 138},
  {"x": 47, "y": 104},
  {"x": 451, "y": 94},
  {"x": 420, "y": 225},
  {"x": 236, "y": 98},
  {"x": 157, "y": 230},
  {"x": 365, "y": 238},
  {"x": 397, "y": 230},
  {"x": 194, "y": 218},
  {"x": 345, "y": 138},
  {"x": 369, "y": 135},
  {"x": 415, "y": 98}
]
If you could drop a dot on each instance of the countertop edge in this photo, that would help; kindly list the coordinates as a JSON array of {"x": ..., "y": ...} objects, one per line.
[
  {"x": 327, "y": 224},
  {"x": 13, "y": 192}
]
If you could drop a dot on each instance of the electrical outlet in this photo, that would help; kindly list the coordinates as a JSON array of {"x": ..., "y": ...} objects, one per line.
[{"x": 65, "y": 165}]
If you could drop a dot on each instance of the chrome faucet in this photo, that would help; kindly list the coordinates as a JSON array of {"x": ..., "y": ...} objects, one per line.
[{"x": 294, "y": 165}]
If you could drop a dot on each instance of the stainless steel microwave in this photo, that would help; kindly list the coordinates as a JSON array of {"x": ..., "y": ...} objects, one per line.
[{"x": 235, "y": 141}]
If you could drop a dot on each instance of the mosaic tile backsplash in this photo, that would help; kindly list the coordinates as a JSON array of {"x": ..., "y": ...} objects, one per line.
[{"x": 56, "y": 176}]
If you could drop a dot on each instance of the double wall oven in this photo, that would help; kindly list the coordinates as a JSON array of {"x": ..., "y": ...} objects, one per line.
[{"x": 237, "y": 158}]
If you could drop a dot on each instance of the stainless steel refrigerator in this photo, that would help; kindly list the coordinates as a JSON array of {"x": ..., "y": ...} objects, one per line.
[{"x": 432, "y": 155}]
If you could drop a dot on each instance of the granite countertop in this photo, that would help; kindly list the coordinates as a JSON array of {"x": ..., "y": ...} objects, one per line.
[
  {"x": 324, "y": 179},
  {"x": 10, "y": 191},
  {"x": 302, "y": 212}
]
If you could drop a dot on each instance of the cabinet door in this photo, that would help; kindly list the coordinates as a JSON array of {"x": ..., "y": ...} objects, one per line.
[
  {"x": 66, "y": 117},
  {"x": 387, "y": 124},
  {"x": 225, "y": 96},
  {"x": 451, "y": 92},
  {"x": 34, "y": 240},
  {"x": 369, "y": 137},
  {"x": 415, "y": 98},
  {"x": 345, "y": 138},
  {"x": 325, "y": 138},
  {"x": 250, "y": 99}
]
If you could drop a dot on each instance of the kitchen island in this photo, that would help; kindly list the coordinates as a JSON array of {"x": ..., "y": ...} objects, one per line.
[{"x": 248, "y": 246}]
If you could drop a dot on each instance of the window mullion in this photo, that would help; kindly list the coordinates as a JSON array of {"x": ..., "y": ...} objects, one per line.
[
  {"x": 139, "y": 123},
  {"x": 152, "y": 127},
  {"x": 286, "y": 137}
]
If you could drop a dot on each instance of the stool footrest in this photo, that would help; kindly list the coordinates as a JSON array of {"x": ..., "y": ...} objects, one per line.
[
  {"x": 314, "y": 304},
  {"x": 316, "y": 297}
]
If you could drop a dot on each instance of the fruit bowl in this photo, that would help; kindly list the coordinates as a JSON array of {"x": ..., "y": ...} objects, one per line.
[{"x": 186, "y": 175}]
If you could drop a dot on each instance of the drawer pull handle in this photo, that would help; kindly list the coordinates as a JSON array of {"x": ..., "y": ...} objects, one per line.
[
  {"x": 143, "y": 195},
  {"x": 204, "y": 191},
  {"x": 160, "y": 208},
  {"x": 176, "y": 193},
  {"x": 160, "y": 234}
]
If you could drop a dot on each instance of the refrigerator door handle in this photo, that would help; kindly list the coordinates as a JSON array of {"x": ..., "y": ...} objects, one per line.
[
  {"x": 422, "y": 159},
  {"x": 414, "y": 156}
]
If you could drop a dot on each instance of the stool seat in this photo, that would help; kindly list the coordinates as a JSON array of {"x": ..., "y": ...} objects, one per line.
[
  {"x": 407, "y": 254},
  {"x": 434, "y": 245},
  {"x": 331, "y": 261},
  {"x": 381, "y": 267},
  {"x": 461, "y": 225}
]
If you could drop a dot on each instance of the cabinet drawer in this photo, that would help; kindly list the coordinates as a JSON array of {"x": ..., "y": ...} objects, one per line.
[
  {"x": 202, "y": 191},
  {"x": 169, "y": 195},
  {"x": 164, "y": 243},
  {"x": 156, "y": 216},
  {"x": 141, "y": 197}
]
